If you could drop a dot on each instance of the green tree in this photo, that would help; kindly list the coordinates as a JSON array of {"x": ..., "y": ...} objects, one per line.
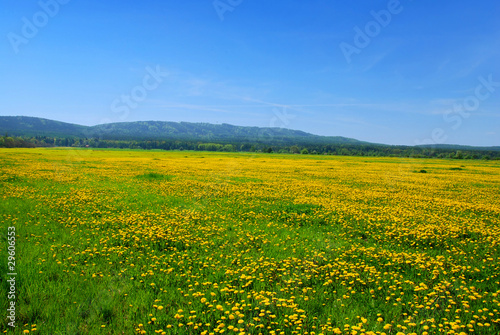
[
  {"x": 9, "y": 142},
  {"x": 294, "y": 149}
]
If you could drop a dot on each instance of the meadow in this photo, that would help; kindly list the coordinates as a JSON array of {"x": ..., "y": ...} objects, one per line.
[{"x": 154, "y": 242}]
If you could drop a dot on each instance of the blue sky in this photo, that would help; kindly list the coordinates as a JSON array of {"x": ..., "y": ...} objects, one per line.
[{"x": 395, "y": 72}]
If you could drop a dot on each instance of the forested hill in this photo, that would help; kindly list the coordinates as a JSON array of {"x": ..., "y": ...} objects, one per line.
[
  {"x": 26, "y": 126},
  {"x": 22, "y": 131},
  {"x": 158, "y": 130}
]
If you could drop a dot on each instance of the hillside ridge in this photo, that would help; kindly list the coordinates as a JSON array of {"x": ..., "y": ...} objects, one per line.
[
  {"x": 161, "y": 130},
  {"x": 28, "y": 126}
]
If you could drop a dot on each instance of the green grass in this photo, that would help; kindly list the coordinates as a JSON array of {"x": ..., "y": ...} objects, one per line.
[
  {"x": 153, "y": 176},
  {"x": 185, "y": 223}
]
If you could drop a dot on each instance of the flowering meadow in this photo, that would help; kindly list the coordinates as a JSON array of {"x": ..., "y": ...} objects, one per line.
[{"x": 155, "y": 242}]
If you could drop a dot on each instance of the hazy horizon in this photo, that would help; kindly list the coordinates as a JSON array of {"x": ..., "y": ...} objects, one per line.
[{"x": 393, "y": 72}]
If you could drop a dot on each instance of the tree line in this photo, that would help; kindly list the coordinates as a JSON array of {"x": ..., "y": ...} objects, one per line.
[{"x": 373, "y": 150}]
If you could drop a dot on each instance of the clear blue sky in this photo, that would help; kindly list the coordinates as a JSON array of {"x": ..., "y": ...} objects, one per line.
[{"x": 329, "y": 67}]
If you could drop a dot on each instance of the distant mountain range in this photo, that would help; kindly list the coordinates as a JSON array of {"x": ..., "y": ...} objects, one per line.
[
  {"x": 25, "y": 126},
  {"x": 160, "y": 130}
]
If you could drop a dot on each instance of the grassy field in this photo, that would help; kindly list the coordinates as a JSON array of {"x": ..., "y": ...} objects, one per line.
[{"x": 137, "y": 242}]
